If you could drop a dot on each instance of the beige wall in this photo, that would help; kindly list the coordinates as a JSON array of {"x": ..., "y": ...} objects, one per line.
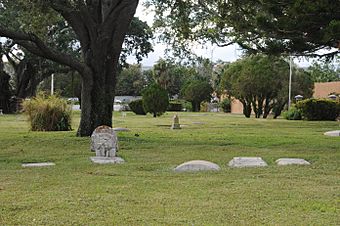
[{"x": 323, "y": 89}]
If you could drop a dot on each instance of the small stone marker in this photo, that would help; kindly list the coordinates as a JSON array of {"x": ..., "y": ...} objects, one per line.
[
  {"x": 335, "y": 133},
  {"x": 239, "y": 162},
  {"x": 196, "y": 165},
  {"x": 38, "y": 164},
  {"x": 175, "y": 124},
  {"x": 291, "y": 161},
  {"x": 104, "y": 142},
  {"x": 118, "y": 129}
]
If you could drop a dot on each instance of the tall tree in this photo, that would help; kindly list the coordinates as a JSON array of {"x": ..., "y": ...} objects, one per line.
[
  {"x": 100, "y": 26},
  {"x": 261, "y": 83}
]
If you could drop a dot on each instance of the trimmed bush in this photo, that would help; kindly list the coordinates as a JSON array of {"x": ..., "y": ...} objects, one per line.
[
  {"x": 137, "y": 107},
  {"x": 292, "y": 114},
  {"x": 155, "y": 99},
  {"x": 319, "y": 109},
  {"x": 175, "y": 106},
  {"x": 48, "y": 113},
  {"x": 225, "y": 104}
]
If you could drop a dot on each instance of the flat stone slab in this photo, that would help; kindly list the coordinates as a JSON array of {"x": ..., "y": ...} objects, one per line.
[
  {"x": 197, "y": 165},
  {"x": 38, "y": 164},
  {"x": 239, "y": 162},
  {"x": 291, "y": 161},
  {"x": 107, "y": 160},
  {"x": 335, "y": 133},
  {"x": 118, "y": 129}
]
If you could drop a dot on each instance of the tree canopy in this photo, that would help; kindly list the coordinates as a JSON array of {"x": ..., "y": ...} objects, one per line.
[
  {"x": 268, "y": 26},
  {"x": 261, "y": 84}
]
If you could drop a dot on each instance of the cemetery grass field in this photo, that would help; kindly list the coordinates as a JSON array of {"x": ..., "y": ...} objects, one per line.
[{"x": 146, "y": 191}]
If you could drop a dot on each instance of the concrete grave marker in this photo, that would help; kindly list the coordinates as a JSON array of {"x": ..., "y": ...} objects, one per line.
[
  {"x": 104, "y": 142},
  {"x": 175, "y": 124},
  {"x": 38, "y": 164},
  {"x": 291, "y": 161},
  {"x": 335, "y": 133},
  {"x": 239, "y": 162},
  {"x": 197, "y": 165}
]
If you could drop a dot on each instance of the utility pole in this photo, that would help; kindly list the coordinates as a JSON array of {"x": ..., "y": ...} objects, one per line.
[
  {"x": 52, "y": 84},
  {"x": 290, "y": 82}
]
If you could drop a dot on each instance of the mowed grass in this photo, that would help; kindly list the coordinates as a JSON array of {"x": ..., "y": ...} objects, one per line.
[{"x": 146, "y": 191}]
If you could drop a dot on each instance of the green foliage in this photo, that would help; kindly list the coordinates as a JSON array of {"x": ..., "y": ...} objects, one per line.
[
  {"x": 196, "y": 91},
  {"x": 265, "y": 26},
  {"x": 260, "y": 82},
  {"x": 131, "y": 81},
  {"x": 324, "y": 72},
  {"x": 319, "y": 109},
  {"x": 175, "y": 106},
  {"x": 155, "y": 100},
  {"x": 48, "y": 113},
  {"x": 225, "y": 104},
  {"x": 292, "y": 114},
  {"x": 137, "y": 107}
]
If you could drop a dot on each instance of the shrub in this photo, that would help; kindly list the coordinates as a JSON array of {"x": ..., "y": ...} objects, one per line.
[
  {"x": 225, "y": 104},
  {"x": 174, "y": 106},
  {"x": 137, "y": 107},
  {"x": 48, "y": 113},
  {"x": 319, "y": 109},
  {"x": 292, "y": 114},
  {"x": 155, "y": 99}
]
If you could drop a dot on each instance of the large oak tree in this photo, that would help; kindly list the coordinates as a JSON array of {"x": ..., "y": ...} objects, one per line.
[{"x": 100, "y": 26}]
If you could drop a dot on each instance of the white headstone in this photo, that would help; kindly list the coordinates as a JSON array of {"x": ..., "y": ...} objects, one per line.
[
  {"x": 335, "y": 133},
  {"x": 104, "y": 142},
  {"x": 197, "y": 165},
  {"x": 291, "y": 161},
  {"x": 239, "y": 162},
  {"x": 175, "y": 124}
]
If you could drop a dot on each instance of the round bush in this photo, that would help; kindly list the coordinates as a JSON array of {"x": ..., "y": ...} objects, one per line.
[
  {"x": 155, "y": 99},
  {"x": 48, "y": 113},
  {"x": 226, "y": 105},
  {"x": 137, "y": 107},
  {"x": 319, "y": 109},
  {"x": 292, "y": 114}
]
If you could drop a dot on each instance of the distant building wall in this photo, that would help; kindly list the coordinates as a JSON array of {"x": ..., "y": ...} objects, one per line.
[{"x": 324, "y": 89}]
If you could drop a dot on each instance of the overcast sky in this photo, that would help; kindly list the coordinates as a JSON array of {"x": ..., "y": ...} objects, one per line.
[{"x": 230, "y": 53}]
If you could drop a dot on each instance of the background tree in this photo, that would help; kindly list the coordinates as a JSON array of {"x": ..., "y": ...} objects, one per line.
[
  {"x": 196, "y": 91},
  {"x": 155, "y": 99},
  {"x": 5, "y": 89},
  {"x": 100, "y": 27},
  {"x": 324, "y": 72},
  {"x": 131, "y": 81},
  {"x": 261, "y": 83}
]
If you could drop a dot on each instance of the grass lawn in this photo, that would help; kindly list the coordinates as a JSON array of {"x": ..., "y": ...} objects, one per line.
[{"x": 145, "y": 190}]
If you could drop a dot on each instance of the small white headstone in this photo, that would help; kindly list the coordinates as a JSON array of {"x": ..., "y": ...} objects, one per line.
[
  {"x": 197, "y": 165},
  {"x": 105, "y": 160},
  {"x": 291, "y": 161},
  {"x": 38, "y": 164},
  {"x": 175, "y": 124},
  {"x": 118, "y": 129},
  {"x": 335, "y": 133},
  {"x": 247, "y": 162}
]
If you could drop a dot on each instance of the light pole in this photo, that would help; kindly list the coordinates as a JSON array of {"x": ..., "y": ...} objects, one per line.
[
  {"x": 290, "y": 81},
  {"x": 52, "y": 84}
]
